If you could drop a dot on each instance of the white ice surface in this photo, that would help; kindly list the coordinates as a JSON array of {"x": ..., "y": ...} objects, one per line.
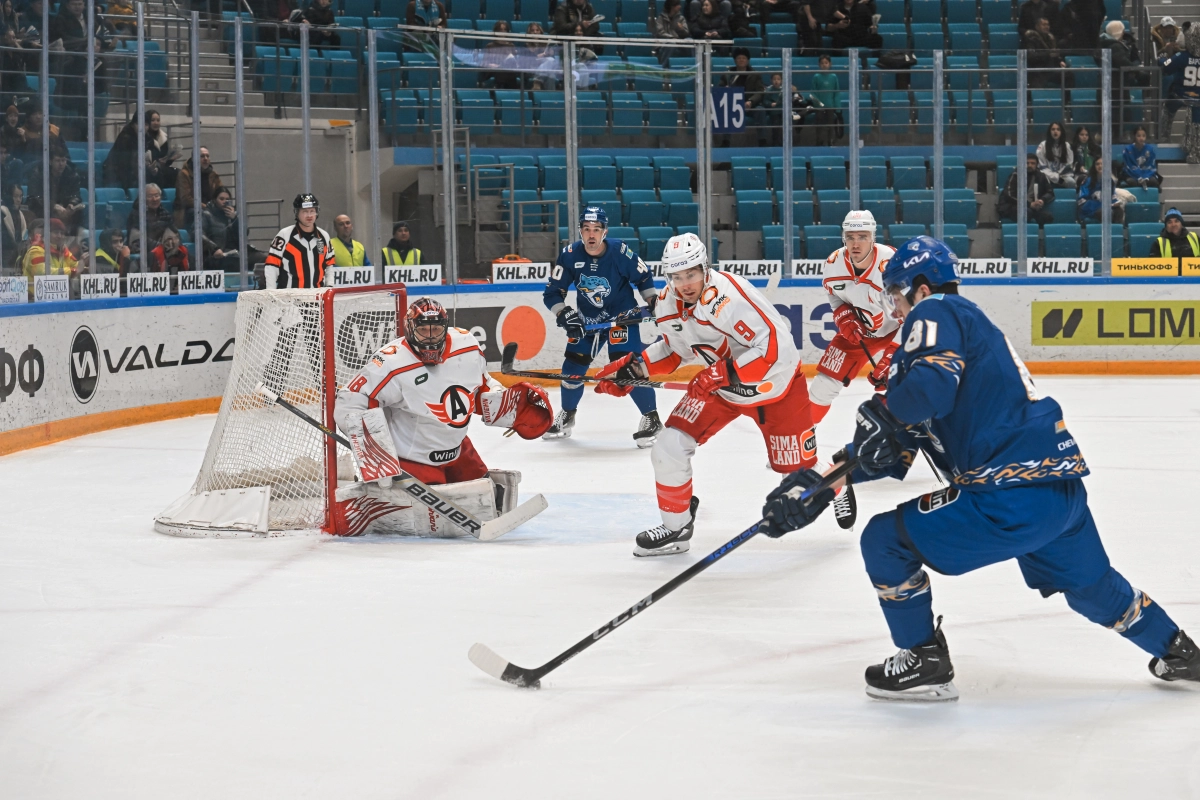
[{"x": 135, "y": 665}]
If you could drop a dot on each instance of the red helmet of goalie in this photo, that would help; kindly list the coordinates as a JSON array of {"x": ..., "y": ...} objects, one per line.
[{"x": 425, "y": 326}]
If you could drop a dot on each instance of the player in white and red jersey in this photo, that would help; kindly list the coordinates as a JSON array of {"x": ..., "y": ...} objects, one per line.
[
  {"x": 854, "y": 280},
  {"x": 409, "y": 407},
  {"x": 752, "y": 369}
]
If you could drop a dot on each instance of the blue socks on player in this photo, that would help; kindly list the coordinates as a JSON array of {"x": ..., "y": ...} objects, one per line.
[
  {"x": 644, "y": 397},
  {"x": 899, "y": 580},
  {"x": 1113, "y": 603},
  {"x": 572, "y": 391}
]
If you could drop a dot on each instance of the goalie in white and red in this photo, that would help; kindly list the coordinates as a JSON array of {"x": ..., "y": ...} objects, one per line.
[
  {"x": 853, "y": 279},
  {"x": 408, "y": 410}
]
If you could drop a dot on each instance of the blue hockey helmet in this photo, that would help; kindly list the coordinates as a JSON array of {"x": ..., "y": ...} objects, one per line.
[
  {"x": 593, "y": 214},
  {"x": 920, "y": 256}
]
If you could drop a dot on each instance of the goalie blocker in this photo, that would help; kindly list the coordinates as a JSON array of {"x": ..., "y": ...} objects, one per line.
[{"x": 407, "y": 411}]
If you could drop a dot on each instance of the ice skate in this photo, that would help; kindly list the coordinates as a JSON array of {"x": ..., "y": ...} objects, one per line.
[
  {"x": 845, "y": 508},
  {"x": 648, "y": 430},
  {"x": 564, "y": 423},
  {"x": 1181, "y": 663},
  {"x": 922, "y": 674},
  {"x": 662, "y": 541}
]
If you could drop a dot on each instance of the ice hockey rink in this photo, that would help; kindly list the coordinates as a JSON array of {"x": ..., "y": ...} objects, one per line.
[{"x": 137, "y": 665}]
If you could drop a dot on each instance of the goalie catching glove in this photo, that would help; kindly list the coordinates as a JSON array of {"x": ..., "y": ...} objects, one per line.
[
  {"x": 523, "y": 407},
  {"x": 629, "y": 367}
]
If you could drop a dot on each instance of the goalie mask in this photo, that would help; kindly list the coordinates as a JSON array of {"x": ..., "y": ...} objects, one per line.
[{"x": 425, "y": 326}]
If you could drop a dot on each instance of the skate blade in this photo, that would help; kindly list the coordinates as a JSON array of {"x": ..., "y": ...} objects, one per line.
[
  {"x": 646, "y": 442},
  {"x": 669, "y": 550},
  {"x": 930, "y": 693},
  {"x": 563, "y": 435}
]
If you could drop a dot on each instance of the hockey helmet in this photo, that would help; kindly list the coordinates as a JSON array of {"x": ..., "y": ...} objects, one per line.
[
  {"x": 593, "y": 214},
  {"x": 859, "y": 221},
  {"x": 683, "y": 252},
  {"x": 306, "y": 200},
  {"x": 429, "y": 346},
  {"x": 920, "y": 257}
]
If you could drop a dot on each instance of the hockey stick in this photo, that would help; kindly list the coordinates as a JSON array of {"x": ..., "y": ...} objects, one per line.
[
  {"x": 641, "y": 315},
  {"x": 487, "y": 660},
  {"x": 483, "y": 531},
  {"x": 510, "y": 355}
]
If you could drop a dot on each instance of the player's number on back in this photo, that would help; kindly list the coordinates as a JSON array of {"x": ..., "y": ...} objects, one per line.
[
  {"x": 1191, "y": 76},
  {"x": 744, "y": 329}
]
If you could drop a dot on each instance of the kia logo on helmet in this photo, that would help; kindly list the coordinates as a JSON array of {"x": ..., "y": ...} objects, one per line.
[{"x": 85, "y": 364}]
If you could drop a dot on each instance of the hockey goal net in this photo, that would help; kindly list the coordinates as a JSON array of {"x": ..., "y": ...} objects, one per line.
[{"x": 266, "y": 471}]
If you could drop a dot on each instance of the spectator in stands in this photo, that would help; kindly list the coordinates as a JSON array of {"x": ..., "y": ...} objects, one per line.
[
  {"x": 1184, "y": 92},
  {"x": 1079, "y": 24},
  {"x": 425, "y": 14},
  {"x": 724, "y": 7},
  {"x": 742, "y": 16},
  {"x": 210, "y": 182},
  {"x": 500, "y": 55},
  {"x": 61, "y": 260},
  {"x": 1086, "y": 150},
  {"x": 221, "y": 238},
  {"x": 1043, "y": 53},
  {"x": 30, "y": 23},
  {"x": 1033, "y": 10},
  {"x": 1089, "y": 198},
  {"x": 740, "y": 74},
  {"x": 69, "y": 33},
  {"x": 8, "y": 16},
  {"x": 811, "y": 17},
  {"x": 31, "y": 131},
  {"x": 826, "y": 97},
  {"x": 1123, "y": 47},
  {"x": 111, "y": 253},
  {"x": 1167, "y": 36},
  {"x": 1055, "y": 159},
  {"x": 1040, "y": 195},
  {"x": 1175, "y": 241},
  {"x": 65, "y": 203},
  {"x": 160, "y": 153},
  {"x": 401, "y": 251},
  {"x": 170, "y": 255},
  {"x": 12, "y": 60},
  {"x": 158, "y": 219},
  {"x": 12, "y": 226},
  {"x": 120, "y": 167},
  {"x": 346, "y": 251},
  {"x": 575, "y": 18},
  {"x": 852, "y": 25},
  {"x": 710, "y": 23},
  {"x": 772, "y": 104},
  {"x": 1140, "y": 162},
  {"x": 14, "y": 201},
  {"x": 123, "y": 17},
  {"x": 12, "y": 138},
  {"x": 670, "y": 24},
  {"x": 322, "y": 25},
  {"x": 543, "y": 58}
]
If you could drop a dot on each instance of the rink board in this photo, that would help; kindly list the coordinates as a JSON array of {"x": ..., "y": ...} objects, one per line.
[{"x": 81, "y": 366}]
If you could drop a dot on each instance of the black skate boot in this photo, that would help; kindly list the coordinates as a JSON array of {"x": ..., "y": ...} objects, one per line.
[
  {"x": 845, "y": 508},
  {"x": 648, "y": 430},
  {"x": 662, "y": 541},
  {"x": 1181, "y": 663},
  {"x": 923, "y": 673},
  {"x": 564, "y": 423}
]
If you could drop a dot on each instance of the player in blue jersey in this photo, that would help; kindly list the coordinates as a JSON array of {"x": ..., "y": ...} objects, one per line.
[
  {"x": 958, "y": 390},
  {"x": 1183, "y": 67},
  {"x": 608, "y": 277}
]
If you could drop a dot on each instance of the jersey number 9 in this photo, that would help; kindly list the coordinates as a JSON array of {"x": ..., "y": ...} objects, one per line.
[{"x": 744, "y": 330}]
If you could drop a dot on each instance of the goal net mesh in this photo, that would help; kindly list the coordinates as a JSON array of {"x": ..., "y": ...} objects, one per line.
[{"x": 304, "y": 345}]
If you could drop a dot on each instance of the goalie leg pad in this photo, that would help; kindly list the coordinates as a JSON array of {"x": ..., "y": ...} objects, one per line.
[
  {"x": 506, "y": 481},
  {"x": 363, "y": 508},
  {"x": 372, "y": 445}
]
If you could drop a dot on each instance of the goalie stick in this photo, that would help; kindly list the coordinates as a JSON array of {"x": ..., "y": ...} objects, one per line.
[
  {"x": 487, "y": 660},
  {"x": 483, "y": 531},
  {"x": 510, "y": 355}
]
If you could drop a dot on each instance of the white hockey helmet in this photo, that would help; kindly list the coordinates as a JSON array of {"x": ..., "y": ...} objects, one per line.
[
  {"x": 684, "y": 252},
  {"x": 859, "y": 221}
]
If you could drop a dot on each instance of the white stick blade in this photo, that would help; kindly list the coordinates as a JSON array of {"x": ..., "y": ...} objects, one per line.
[
  {"x": 495, "y": 528},
  {"x": 486, "y": 659}
]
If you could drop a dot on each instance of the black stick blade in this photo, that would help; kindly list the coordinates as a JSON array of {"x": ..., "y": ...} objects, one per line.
[
  {"x": 508, "y": 357},
  {"x": 487, "y": 660}
]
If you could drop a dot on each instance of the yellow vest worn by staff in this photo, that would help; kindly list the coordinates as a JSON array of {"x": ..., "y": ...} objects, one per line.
[
  {"x": 1164, "y": 246},
  {"x": 391, "y": 257},
  {"x": 356, "y": 256}
]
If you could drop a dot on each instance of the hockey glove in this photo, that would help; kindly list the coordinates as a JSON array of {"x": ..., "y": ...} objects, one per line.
[
  {"x": 877, "y": 435},
  {"x": 523, "y": 407},
  {"x": 628, "y": 367},
  {"x": 570, "y": 321},
  {"x": 879, "y": 375},
  {"x": 719, "y": 375},
  {"x": 784, "y": 511},
  {"x": 847, "y": 324}
]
